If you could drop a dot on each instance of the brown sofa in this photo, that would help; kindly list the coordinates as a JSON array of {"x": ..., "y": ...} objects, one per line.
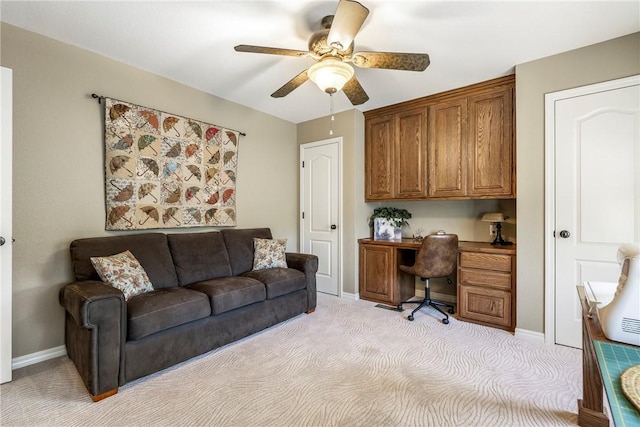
[{"x": 205, "y": 296}]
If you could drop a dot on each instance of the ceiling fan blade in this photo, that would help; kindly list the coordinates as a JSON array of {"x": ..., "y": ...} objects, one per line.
[
  {"x": 292, "y": 84},
  {"x": 270, "y": 50},
  {"x": 355, "y": 92},
  {"x": 348, "y": 19},
  {"x": 392, "y": 60}
]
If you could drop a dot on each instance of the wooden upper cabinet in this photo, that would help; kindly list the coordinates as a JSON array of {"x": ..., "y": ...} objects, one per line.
[
  {"x": 454, "y": 145},
  {"x": 411, "y": 155},
  {"x": 447, "y": 162},
  {"x": 379, "y": 170},
  {"x": 395, "y": 153},
  {"x": 491, "y": 144}
]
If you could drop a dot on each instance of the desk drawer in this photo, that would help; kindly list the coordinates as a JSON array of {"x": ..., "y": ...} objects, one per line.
[
  {"x": 489, "y": 306},
  {"x": 494, "y": 279},
  {"x": 485, "y": 261}
]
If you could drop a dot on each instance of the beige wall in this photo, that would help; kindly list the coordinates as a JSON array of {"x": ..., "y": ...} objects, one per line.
[
  {"x": 58, "y": 192},
  {"x": 601, "y": 62},
  {"x": 350, "y": 126}
]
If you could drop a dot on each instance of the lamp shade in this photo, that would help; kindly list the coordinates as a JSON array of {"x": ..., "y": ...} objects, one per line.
[
  {"x": 330, "y": 74},
  {"x": 493, "y": 217}
]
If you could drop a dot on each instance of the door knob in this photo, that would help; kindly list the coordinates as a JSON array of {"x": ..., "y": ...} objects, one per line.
[
  {"x": 565, "y": 234},
  {"x": 333, "y": 226},
  {"x": 2, "y": 241}
]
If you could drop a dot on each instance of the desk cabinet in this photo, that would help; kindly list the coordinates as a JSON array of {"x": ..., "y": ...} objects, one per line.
[
  {"x": 486, "y": 278},
  {"x": 486, "y": 285},
  {"x": 380, "y": 278}
]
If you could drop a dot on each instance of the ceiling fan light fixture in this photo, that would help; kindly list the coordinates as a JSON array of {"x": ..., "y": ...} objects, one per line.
[{"x": 330, "y": 75}]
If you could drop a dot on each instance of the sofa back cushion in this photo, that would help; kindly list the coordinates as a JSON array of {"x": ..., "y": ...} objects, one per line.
[
  {"x": 240, "y": 247},
  {"x": 150, "y": 249},
  {"x": 199, "y": 256}
]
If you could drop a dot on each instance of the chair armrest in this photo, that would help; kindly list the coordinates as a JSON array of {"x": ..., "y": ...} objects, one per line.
[
  {"x": 308, "y": 264},
  {"x": 95, "y": 333}
]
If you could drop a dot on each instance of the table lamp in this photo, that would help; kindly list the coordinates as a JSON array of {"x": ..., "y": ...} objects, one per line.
[{"x": 498, "y": 218}]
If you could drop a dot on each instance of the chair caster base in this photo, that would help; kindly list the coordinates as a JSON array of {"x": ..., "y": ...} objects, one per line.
[
  {"x": 399, "y": 307},
  {"x": 410, "y": 317},
  {"x": 451, "y": 311},
  {"x": 445, "y": 321}
]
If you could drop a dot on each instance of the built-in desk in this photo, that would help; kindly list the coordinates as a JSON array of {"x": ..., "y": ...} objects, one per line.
[{"x": 485, "y": 285}]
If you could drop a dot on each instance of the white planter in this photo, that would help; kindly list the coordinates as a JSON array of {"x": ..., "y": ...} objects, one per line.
[{"x": 384, "y": 230}]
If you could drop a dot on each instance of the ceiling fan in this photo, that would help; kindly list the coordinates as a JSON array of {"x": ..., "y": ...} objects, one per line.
[{"x": 332, "y": 48}]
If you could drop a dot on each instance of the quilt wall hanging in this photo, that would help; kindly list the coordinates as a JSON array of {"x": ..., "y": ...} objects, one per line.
[{"x": 167, "y": 171}]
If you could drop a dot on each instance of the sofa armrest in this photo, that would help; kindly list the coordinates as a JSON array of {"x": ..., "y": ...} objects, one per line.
[
  {"x": 308, "y": 264},
  {"x": 95, "y": 333}
]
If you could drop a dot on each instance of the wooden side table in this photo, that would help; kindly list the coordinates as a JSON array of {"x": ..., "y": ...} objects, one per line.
[{"x": 591, "y": 406}]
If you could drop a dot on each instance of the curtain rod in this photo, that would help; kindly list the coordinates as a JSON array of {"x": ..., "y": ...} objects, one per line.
[{"x": 100, "y": 98}]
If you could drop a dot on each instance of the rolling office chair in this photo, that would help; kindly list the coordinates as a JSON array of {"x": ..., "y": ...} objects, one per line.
[{"x": 437, "y": 257}]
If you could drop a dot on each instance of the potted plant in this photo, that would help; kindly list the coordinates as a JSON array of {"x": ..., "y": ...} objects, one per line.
[{"x": 387, "y": 222}]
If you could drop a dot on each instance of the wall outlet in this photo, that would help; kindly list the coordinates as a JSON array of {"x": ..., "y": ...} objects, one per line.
[{"x": 492, "y": 229}]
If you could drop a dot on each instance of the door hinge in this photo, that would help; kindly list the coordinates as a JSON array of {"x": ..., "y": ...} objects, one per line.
[
  {"x": 302, "y": 215},
  {"x": 303, "y": 163}
]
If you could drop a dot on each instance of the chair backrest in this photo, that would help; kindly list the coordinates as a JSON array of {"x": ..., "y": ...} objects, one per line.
[{"x": 437, "y": 257}]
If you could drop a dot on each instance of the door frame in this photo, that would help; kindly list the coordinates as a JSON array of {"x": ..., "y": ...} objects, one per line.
[
  {"x": 550, "y": 100},
  {"x": 334, "y": 140},
  {"x": 6, "y": 288}
]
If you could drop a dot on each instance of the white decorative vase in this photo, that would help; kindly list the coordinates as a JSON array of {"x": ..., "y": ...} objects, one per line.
[{"x": 383, "y": 229}]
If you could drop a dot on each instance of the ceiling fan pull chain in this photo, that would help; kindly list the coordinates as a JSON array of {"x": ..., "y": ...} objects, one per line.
[{"x": 331, "y": 113}]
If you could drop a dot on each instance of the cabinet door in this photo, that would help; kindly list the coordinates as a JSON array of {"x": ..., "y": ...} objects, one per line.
[
  {"x": 377, "y": 273},
  {"x": 447, "y": 147},
  {"x": 491, "y": 144},
  {"x": 379, "y": 145},
  {"x": 411, "y": 155}
]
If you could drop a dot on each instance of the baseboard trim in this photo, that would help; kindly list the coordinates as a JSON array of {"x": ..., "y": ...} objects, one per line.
[
  {"x": 530, "y": 336},
  {"x": 354, "y": 297},
  {"x": 37, "y": 357}
]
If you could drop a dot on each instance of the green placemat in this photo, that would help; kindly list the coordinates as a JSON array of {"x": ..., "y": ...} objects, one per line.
[{"x": 613, "y": 360}]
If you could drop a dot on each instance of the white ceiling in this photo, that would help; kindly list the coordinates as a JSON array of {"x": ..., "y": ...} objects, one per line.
[{"x": 192, "y": 42}]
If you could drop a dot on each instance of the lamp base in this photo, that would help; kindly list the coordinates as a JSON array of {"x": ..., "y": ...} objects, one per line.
[{"x": 499, "y": 240}]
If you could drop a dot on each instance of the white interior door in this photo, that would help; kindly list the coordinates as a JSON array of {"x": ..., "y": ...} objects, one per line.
[
  {"x": 321, "y": 211},
  {"x": 597, "y": 191},
  {"x": 6, "y": 90}
]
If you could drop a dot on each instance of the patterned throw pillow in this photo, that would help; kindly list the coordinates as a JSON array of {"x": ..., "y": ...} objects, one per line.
[
  {"x": 123, "y": 271},
  {"x": 269, "y": 253}
]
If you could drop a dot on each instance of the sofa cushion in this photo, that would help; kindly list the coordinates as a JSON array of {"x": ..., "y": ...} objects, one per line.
[
  {"x": 162, "y": 309},
  {"x": 240, "y": 247},
  {"x": 124, "y": 272},
  {"x": 279, "y": 281},
  {"x": 199, "y": 256},
  {"x": 229, "y": 293},
  {"x": 269, "y": 253},
  {"x": 150, "y": 249}
]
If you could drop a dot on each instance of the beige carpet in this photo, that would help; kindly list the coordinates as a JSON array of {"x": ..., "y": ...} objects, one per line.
[{"x": 347, "y": 364}]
